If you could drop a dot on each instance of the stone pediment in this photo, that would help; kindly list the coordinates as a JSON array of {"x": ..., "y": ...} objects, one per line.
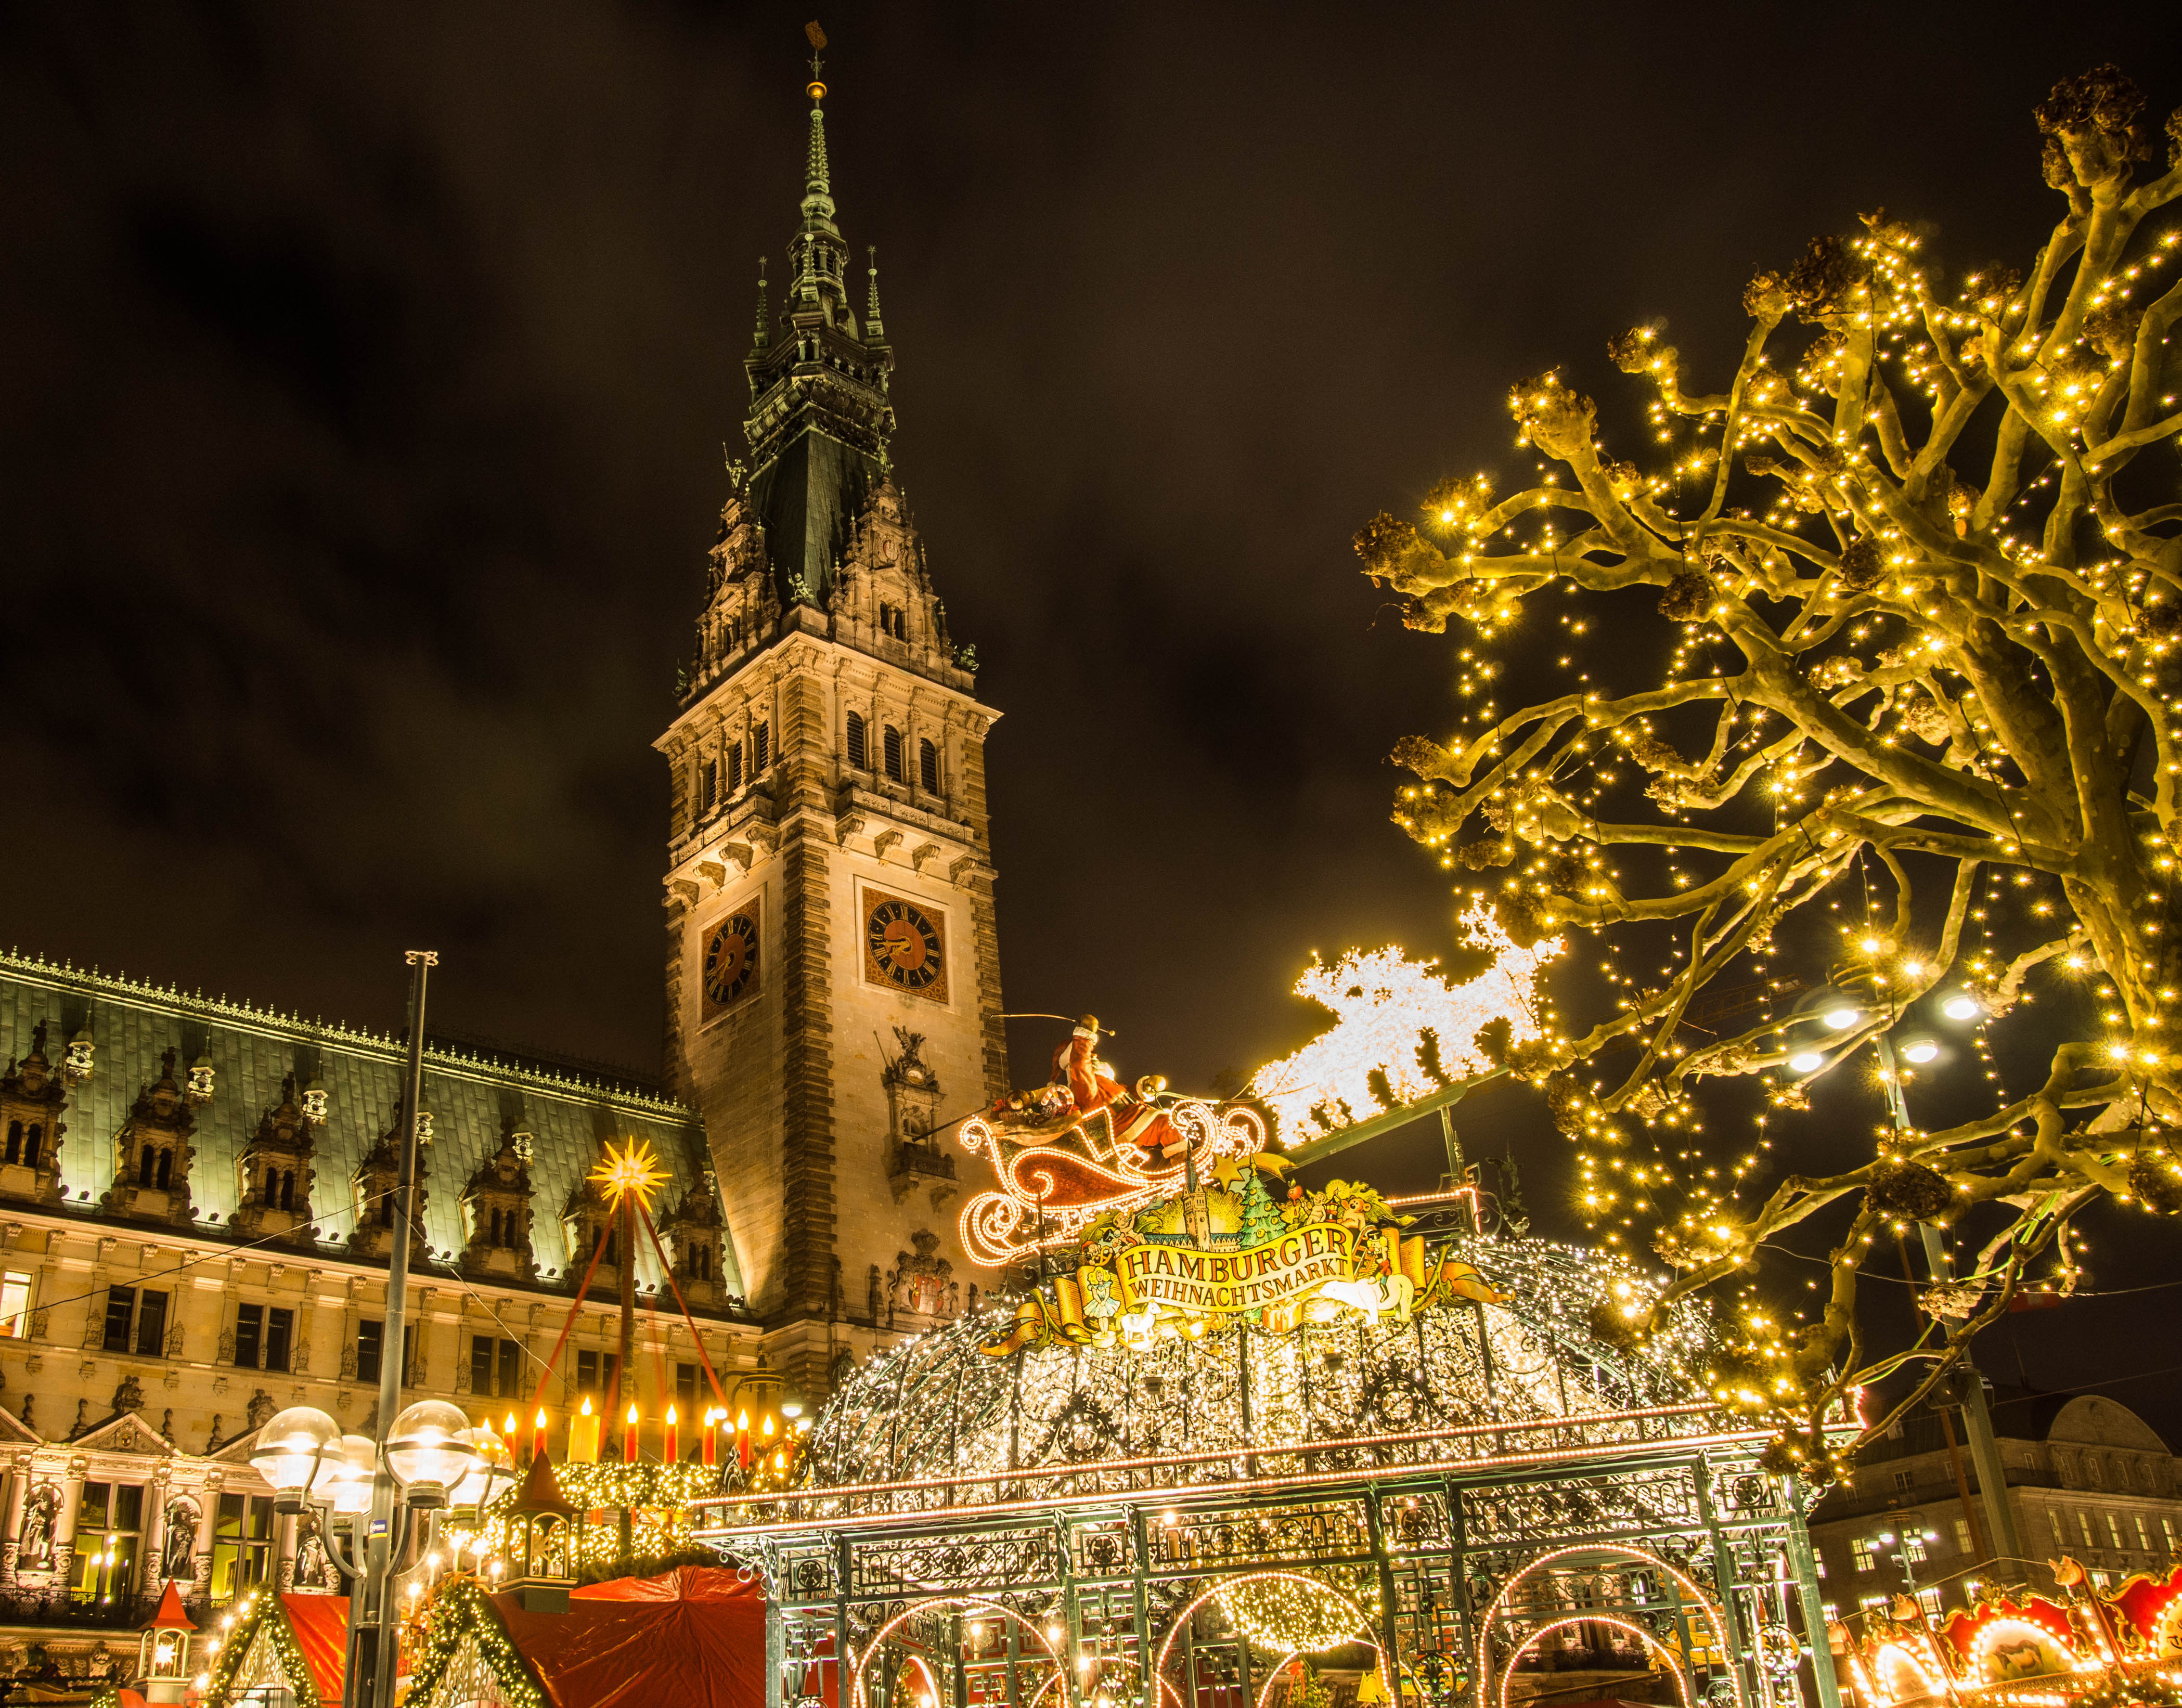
[
  {"x": 14, "y": 1432},
  {"x": 124, "y": 1432}
]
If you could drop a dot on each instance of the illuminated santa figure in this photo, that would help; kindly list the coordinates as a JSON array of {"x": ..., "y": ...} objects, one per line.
[{"x": 1082, "y": 1145}]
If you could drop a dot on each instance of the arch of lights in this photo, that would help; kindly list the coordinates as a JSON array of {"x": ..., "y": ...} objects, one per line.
[
  {"x": 1650, "y": 1642},
  {"x": 1705, "y": 1604},
  {"x": 1362, "y": 1631}
]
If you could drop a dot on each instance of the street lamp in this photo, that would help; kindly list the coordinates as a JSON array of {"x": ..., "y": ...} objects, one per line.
[
  {"x": 1910, "y": 1553},
  {"x": 491, "y": 1470},
  {"x": 292, "y": 1451},
  {"x": 428, "y": 1451}
]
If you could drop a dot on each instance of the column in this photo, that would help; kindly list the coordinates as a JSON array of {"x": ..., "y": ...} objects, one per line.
[
  {"x": 11, "y": 1530},
  {"x": 64, "y": 1523},
  {"x": 153, "y": 1542},
  {"x": 208, "y": 1516}
]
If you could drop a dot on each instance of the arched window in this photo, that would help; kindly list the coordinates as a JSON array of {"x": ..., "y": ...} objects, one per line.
[
  {"x": 893, "y": 753},
  {"x": 709, "y": 792},
  {"x": 14, "y": 1142},
  {"x": 166, "y": 1170},
  {"x": 734, "y": 767},
  {"x": 857, "y": 760},
  {"x": 272, "y": 1186},
  {"x": 31, "y": 1143},
  {"x": 927, "y": 766},
  {"x": 900, "y": 626},
  {"x": 386, "y": 1210},
  {"x": 761, "y": 749},
  {"x": 145, "y": 1164}
]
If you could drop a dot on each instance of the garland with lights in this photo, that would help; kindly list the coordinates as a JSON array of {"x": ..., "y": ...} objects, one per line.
[
  {"x": 1882, "y": 685},
  {"x": 266, "y": 1616},
  {"x": 656, "y": 1496},
  {"x": 462, "y": 1610},
  {"x": 1292, "y": 1615}
]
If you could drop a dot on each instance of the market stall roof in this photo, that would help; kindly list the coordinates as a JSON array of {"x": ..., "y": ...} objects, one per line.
[{"x": 694, "y": 1636}]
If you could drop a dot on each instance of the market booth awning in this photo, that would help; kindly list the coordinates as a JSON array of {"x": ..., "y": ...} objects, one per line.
[{"x": 694, "y": 1636}]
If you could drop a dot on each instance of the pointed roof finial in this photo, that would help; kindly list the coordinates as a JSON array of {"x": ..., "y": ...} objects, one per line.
[
  {"x": 764, "y": 319},
  {"x": 874, "y": 331},
  {"x": 818, "y": 187}
]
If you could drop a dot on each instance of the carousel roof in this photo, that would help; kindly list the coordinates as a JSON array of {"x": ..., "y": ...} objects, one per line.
[{"x": 948, "y": 1423}]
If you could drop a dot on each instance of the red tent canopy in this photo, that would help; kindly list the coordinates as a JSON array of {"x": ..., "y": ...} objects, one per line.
[
  {"x": 320, "y": 1623},
  {"x": 693, "y": 1637}
]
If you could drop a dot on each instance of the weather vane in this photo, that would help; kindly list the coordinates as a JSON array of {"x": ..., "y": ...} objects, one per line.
[{"x": 818, "y": 40}]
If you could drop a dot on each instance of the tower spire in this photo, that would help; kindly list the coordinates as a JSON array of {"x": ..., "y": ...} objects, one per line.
[
  {"x": 817, "y": 186},
  {"x": 764, "y": 327},
  {"x": 874, "y": 329}
]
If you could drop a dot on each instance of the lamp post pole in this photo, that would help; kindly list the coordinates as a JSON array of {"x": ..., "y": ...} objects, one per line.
[
  {"x": 1977, "y": 1420},
  {"x": 372, "y": 1607}
]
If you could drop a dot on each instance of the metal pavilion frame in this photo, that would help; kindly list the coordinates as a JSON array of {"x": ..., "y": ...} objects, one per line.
[{"x": 1460, "y": 1548}]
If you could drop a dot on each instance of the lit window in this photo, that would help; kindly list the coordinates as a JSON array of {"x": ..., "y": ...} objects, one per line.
[
  {"x": 2084, "y": 1524},
  {"x": 14, "y": 1304},
  {"x": 1929, "y": 1600},
  {"x": 1860, "y": 1552},
  {"x": 1962, "y": 1542},
  {"x": 2060, "y": 1536},
  {"x": 2143, "y": 1533},
  {"x": 2113, "y": 1529}
]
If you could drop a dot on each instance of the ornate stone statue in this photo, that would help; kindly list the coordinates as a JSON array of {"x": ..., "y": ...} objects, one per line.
[
  {"x": 42, "y": 1510},
  {"x": 178, "y": 1557}
]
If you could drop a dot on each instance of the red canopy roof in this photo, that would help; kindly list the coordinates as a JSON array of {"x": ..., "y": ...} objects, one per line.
[
  {"x": 171, "y": 1616},
  {"x": 320, "y": 1623},
  {"x": 693, "y": 1637}
]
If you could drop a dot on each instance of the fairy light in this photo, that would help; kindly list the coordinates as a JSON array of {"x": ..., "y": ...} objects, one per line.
[{"x": 1780, "y": 520}]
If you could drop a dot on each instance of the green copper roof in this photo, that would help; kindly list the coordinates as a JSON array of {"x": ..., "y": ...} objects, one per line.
[{"x": 252, "y": 1051}]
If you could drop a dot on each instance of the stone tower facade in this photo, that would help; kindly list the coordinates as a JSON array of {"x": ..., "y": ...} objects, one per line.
[{"x": 833, "y": 975}]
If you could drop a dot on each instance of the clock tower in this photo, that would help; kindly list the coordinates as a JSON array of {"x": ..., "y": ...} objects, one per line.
[{"x": 833, "y": 970}]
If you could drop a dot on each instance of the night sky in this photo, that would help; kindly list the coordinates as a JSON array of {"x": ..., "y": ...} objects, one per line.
[{"x": 364, "y": 370}]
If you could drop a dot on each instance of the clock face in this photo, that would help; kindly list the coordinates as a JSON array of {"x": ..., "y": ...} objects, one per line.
[
  {"x": 905, "y": 946},
  {"x": 730, "y": 970}
]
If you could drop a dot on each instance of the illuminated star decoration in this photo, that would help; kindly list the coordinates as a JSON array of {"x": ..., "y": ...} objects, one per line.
[{"x": 632, "y": 1169}]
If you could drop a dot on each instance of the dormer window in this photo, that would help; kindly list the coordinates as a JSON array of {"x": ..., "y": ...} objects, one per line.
[{"x": 858, "y": 759}]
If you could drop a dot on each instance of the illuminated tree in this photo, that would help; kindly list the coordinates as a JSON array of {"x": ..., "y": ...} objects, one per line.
[{"x": 1917, "y": 743}]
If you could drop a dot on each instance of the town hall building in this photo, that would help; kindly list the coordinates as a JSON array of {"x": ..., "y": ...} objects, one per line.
[{"x": 197, "y": 1195}]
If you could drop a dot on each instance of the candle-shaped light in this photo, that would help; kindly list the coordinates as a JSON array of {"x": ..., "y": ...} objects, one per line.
[
  {"x": 628, "y": 1438},
  {"x": 742, "y": 1439},
  {"x": 670, "y": 1448},
  {"x": 508, "y": 1434},
  {"x": 583, "y": 1437},
  {"x": 538, "y": 1437},
  {"x": 711, "y": 1453}
]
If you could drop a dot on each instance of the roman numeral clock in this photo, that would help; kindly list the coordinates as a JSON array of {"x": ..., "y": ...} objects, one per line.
[{"x": 905, "y": 946}]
